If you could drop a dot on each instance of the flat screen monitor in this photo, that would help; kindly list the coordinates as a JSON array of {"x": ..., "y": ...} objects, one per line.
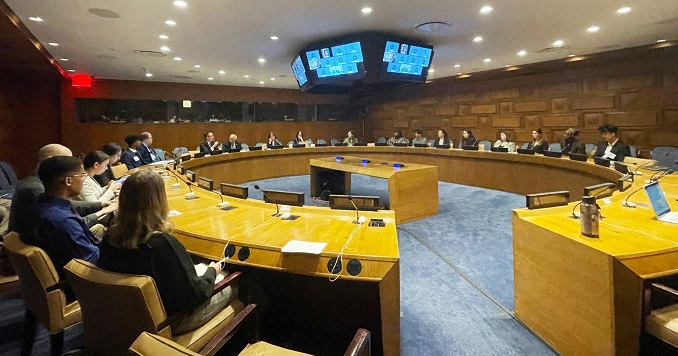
[
  {"x": 405, "y": 61},
  {"x": 601, "y": 161},
  {"x": 361, "y": 202},
  {"x": 284, "y": 198},
  {"x": 299, "y": 72},
  {"x": 236, "y": 191},
  {"x": 335, "y": 63}
]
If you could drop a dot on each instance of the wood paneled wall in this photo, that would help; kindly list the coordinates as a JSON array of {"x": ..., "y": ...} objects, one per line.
[
  {"x": 87, "y": 137},
  {"x": 640, "y": 96}
]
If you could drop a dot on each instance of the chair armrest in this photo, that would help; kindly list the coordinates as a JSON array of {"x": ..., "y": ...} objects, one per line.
[
  {"x": 227, "y": 331},
  {"x": 232, "y": 278},
  {"x": 658, "y": 296},
  {"x": 664, "y": 290},
  {"x": 59, "y": 285},
  {"x": 361, "y": 345}
]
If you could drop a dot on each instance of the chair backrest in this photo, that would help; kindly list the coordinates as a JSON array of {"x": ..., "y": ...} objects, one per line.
[
  {"x": 38, "y": 277},
  {"x": 321, "y": 141},
  {"x": 381, "y": 140},
  {"x": 245, "y": 146},
  {"x": 524, "y": 146},
  {"x": 290, "y": 142},
  {"x": 116, "y": 307},
  {"x": 160, "y": 152},
  {"x": 178, "y": 151},
  {"x": 487, "y": 145},
  {"x": 333, "y": 141},
  {"x": 148, "y": 344},
  {"x": 666, "y": 156},
  {"x": 259, "y": 144},
  {"x": 555, "y": 147},
  {"x": 119, "y": 170},
  {"x": 9, "y": 173},
  {"x": 430, "y": 142},
  {"x": 634, "y": 151}
]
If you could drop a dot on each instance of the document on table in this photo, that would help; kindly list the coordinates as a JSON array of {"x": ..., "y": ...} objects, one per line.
[
  {"x": 296, "y": 246},
  {"x": 201, "y": 268}
]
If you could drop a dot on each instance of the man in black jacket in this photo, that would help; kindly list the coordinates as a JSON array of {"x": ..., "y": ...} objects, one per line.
[
  {"x": 612, "y": 148},
  {"x": 233, "y": 143},
  {"x": 146, "y": 151}
]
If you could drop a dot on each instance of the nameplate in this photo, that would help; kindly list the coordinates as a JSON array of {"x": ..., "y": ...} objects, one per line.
[
  {"x": 205, "y": 183},
  {"x": 190, "y": 176}
]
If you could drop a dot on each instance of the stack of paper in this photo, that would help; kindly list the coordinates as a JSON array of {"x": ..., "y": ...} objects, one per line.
[
  {"x": 201, "y": 268},
  {"x": 296, "y": 246}
]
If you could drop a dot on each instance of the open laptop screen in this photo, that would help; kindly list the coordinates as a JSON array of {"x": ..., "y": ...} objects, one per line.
[{"x": 657, "y": 198}]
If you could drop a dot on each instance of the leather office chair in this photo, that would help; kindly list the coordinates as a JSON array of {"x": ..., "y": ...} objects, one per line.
[
  {"x": 41, "y": 290},
  {"x": 666, "y": 156},
  {"x": 660, "y": 308},
  {"x": 117, "y": 307},
  {"x": 149, "y": 344},
  {"x": 334, "y": 141},
  {"x": 555, "y": 147},
  {"x": 119, "y": 170},
  {"x": 487, "y": 145},
  {"x": 381, "y": 140}
]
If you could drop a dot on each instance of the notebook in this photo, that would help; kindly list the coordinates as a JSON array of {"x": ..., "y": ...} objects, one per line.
[{"x": 659, "y": 204}]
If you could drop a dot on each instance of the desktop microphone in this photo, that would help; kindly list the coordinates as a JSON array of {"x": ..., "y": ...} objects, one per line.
[
  {"x": 662, "y": 174},
  {"x": 181, "y": 179},
  {"x": 636, "y": 172},
  {"x": 169, "y": 170},
  {"x": 357, "y": 211},
  {"x": 474, "y": 143},
  {"x": 277, "y": 207},
  {"x": 167, "y": 154},
  {"x": 212, "y": 191},
  {"x": 626, "y": 201},
  {"x": 566, "y": 147}
]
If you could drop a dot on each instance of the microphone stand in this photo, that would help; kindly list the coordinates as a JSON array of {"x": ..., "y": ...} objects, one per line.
[
  {"x": 661, "y": 174},
  {"x": 277, "y": 207},
  {"x": 626, "y": 201},
  {"x": 357, "y": 211},
  {"x": 181, "y": 179}
]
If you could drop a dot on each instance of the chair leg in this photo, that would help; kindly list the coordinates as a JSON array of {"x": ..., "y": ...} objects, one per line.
[
  {"x": 57, "y": 343},
  {"x": 28, "y": 333}
]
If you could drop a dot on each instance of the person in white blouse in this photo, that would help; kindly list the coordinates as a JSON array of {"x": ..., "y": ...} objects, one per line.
[
  {"x": 95, "y": 163},
  {"x": 505, "y": 141}
]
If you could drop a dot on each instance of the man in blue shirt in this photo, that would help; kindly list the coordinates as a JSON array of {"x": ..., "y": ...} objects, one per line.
[{"x": 62, "y": 233}]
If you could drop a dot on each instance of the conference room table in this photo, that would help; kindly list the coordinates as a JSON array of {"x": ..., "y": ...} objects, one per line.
[{"x": 581, "y": 295}]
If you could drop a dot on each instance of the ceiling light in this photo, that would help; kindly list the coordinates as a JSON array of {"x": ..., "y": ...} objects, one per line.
[
  {"x": 180, "y": 4},
  {"x": 177, "y": 58},
  {"x": 487, "y": 60},
  {"x": 53, "y": 44},
  {"x": 506, "y": 66},
  {"x": 478, "y": 39},
  {"x": 272, "y": 78},
  {"x": 486, "y": 9},
  {"x": 36, "y": 18},
  {"x": 222, "y": 72},
  {"x": 275, "y": 38},
  {"x": 261, "y": 82},
  {"x": 624, "y": 10},
  {"x": 570, "y": 55},
  {"x": 163, "y": 37},
  {"x": 261, "y": 60},
  {"x": 196, "y": 66},
  {"x": 170, "y": 22},
  {"x": 593, "y": 29},
  {"x": 661, "y": 41},
  {"x": 148, "y": 75},
  {"x": 460, "y": 73},
  {"x": 164, "y": 49},
  {"x": 366, "y": 10},
  {"x": 210, "y": 78},
  {"x": 558, "y": 43},
  {"x": 457, "y": 65},
  {"x": 246, "y": 76},
  {"x": 431, "y": 70},
  {"x": 71, "y": 70},
  {"x": 64, "y": 59},
  {"x": 522, "y": 52}
]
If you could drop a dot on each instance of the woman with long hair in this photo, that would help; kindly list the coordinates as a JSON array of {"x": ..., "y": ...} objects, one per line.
[
  {"x": 443, "y": 141},
  {"x": 538, "y": 144},
  {"x": 141, "y": 242},
  {"x": 505, "y": 142},
  {"x": 96, "y": 163},
  {"x": 468, "y": 139}
]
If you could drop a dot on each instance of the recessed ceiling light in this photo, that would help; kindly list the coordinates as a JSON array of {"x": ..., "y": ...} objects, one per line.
[
  {"x": 570, "y": 55},
  {"x": 261, "y": 82},
  {"x": 558, "y": 43},
  {"x": 246, "y": 76},
  {"x": 660, "y": 41},
  {"x": 275, "y": 38},
  {"x": 148, "y": 75},
  {"x": 506, "y": 66},
  {"x": 64, "y": 59},
  {"x": 71, "y": 70},
  {"x": 170, "y": 22},
  {"x": 457, "y": 65},
  {"x": 431, "y": 70},
  {"x": 593, "y": 29},
  {"x": 163, "y": 37},
  {"x": 478, "y": 39},
  {"x": 272, "y": 78},
  {"x": 210, "y": 78},
  {"x": 624, "y": 10},
  {"x": 196, "y": 66},
  {"x": 366, "y": 10},
  {"x": 522, "y": 52},
  {"x": 486, "y": 9},
  {"x": 36, "y": 18},
  {"x": 53, "y": 44},
  {"x": 164, "y": 49},
  {"x": 261, "y": 60},
  {"x": 487, "y": 60},
  {"x": 177, "y": 58},
  {"x": 222, "y": 72},
  {"x": 180, "y": 4},
  {"x": 459, "y": 73}
]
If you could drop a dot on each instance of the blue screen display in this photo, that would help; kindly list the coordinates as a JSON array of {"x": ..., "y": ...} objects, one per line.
[
  {"x": 336, "y": 60},
  {"x": 299, "y": 71},
  {"x": 659, "y": 203},
  {"x": 403, "y": 58}
]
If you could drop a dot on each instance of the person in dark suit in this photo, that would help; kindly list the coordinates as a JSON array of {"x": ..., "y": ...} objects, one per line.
[
  {"x": 146, "y": 151},
  {"x": 209, "y": 145},
  {"x": 233, "y": 143},
  {"x": 538, "y": 144},
  {"x": 612, "y": 147},
  {"x": 468, "y": 139},
  {"x": 130, "y": 157},
  {"x": 443, "y": 141},
  {"x": 571, "y": 144}
]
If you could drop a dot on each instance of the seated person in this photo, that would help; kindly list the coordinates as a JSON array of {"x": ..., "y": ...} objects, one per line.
[
  {"x": 442, "y": 140},
  {"x": 570, "y": 144},
  {"x": 210, "y": 144},
  {"x": 25, "y": 201},
  {"x": 419, "y": 138},
  {"x": 467, "y": 138},
  {"x": 233, "y": 144},
  {"x": 505, "y": 141},
  {"x": 131, "y": 157},
  {"x": 141, "y": 242},
  {"x": 62, "y": 233},
  {"x": 299, "y": 139},
  {"x": 113, "y": 150},
  {"x": 538, "y": 144},
  {"x": 350, "y": 139},
  {"x": 95, "y": 163},
  {"x": 397, "y": 138},
  {"x": 4, "y": 220},
  {"x": 612, "y": 147},
  {"x": 146, "y": 151},
  {"x": 272, "y": 141}
]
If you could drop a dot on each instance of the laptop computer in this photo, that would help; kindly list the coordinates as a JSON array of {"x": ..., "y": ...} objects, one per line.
[
  {"x": 420, "y": 145},
  {"x": 553, "y": 154},
  {"x": 601, "y": 161},
  {"x": 447, "y": 147},
  {"x": 299, "y": 145},
  {"x": 499, "y": 149},
  {"x": 400, "y": 144},
  {"x": 469, "y": 148},
  {"x": 525, "y": 151},
  {"x": 276, "y": 147},
  {"x": 578, "y": 157},
  {"x": 341, "y": 144},
  {"x": 255, "y": 148},
  {"x": 659, "y": 204},
  {"x": 381, "y": 144},
  {"x": 320, "y": 145}
]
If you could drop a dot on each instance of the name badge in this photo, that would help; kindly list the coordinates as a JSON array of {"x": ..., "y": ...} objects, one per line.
[{"x": 136, "y": 159}]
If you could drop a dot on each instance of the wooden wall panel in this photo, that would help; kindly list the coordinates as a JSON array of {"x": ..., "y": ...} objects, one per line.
[
  {"x": 506, "y": 121},
  {"x": 484, "y": 109},
  {"x": 560, "y": 121},
  {"x": 531, "y": 106},
  {"x": 633, "y": 119},
  {"x": 602, "y": 102}
]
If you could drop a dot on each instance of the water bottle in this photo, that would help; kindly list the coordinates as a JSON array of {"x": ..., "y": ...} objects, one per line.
[{"x": 590, "y": 216}]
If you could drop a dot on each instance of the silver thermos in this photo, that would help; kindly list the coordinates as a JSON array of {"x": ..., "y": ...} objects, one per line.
[{"x": 590, "y": 216}]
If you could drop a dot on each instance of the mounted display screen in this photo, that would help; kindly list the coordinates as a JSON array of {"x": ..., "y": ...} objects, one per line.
[
  {"x": 339, "y": 62},
  {"x": 403, "y": 61},
  {"x": 299, "y": 71}
]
